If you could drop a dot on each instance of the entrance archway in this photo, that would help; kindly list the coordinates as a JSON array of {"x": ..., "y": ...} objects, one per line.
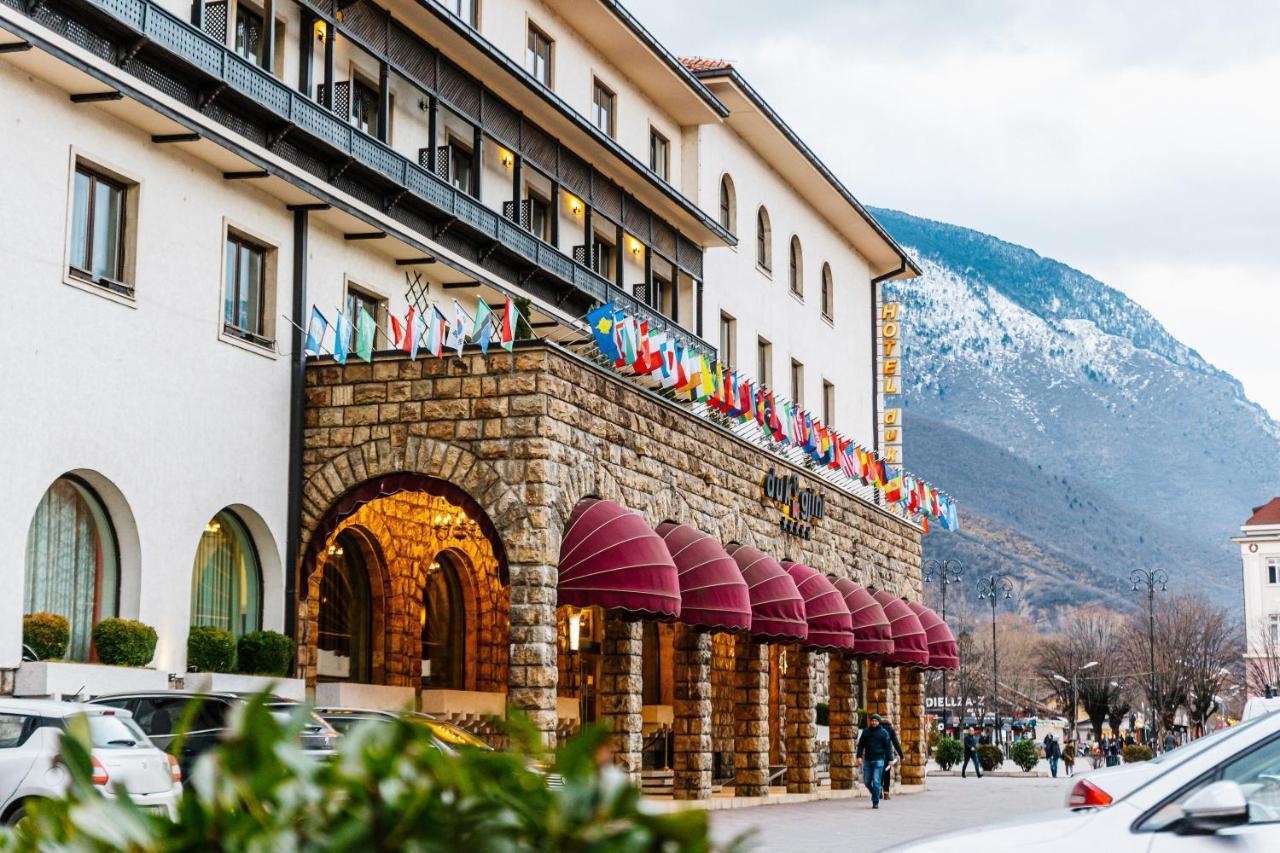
[
  {"x": 444, "y": 624},
  {"x": 350, "y": 604}
]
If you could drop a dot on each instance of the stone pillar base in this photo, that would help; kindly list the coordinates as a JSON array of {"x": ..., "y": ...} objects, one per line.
[
  {"x": 692, "y": 725},
  {"x": 533, "y": 673},
  {"x": 801, "y": 728},
  {"x": 842, "y": 716},
  {"x": 912, "y": 726},
  {"x": 621, "y": 690},
  {"x": 751, "y": 719}
]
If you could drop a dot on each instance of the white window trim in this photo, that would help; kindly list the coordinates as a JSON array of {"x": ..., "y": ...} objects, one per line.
[
  {"x": 531, "y": 24},
  {"x": 383, "y": 320},
  {"x": 272, "y": 283},
  {"x": 133, "y": 208}
]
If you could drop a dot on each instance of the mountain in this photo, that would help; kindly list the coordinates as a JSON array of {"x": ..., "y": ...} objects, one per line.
[{"x": 1081, "y": 438}]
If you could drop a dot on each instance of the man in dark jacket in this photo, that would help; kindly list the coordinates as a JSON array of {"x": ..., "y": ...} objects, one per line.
[
  {"x": 970, "y": 754},
  {"x": 887, "y": 778},
  {"x": 875, "y": 752},
  {"x": 1052, "y": 752}
]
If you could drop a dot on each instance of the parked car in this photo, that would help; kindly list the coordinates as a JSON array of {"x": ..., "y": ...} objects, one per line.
[
  {"x": 448, "y": 736},
  {"x": 122, "y": 756},
  {"x": 160, "y": 715},
  {"x": 1223, "y": 795}
]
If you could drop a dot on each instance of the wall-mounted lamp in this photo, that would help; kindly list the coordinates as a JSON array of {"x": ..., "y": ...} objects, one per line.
[
  {"x": 334, "y": 551},
  {"x": 506, "y": 157},
  {"x": 575, "y": 204},
  {"x": 636, "y": 247},
  {"x": 320, "y": 29},
  {"x": 575, "y": 630}
]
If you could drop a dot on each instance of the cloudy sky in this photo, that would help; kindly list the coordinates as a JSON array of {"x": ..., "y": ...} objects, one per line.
[{"x": 1138, "y": 141}]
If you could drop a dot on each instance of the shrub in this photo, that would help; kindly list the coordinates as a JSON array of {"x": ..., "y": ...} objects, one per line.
[
  {"x": 265, "y": 653},
  {"x": 1025, "y": 754},
  {"x": 210, "y": 649},
  {"x": 124, "y": 642},
  {"x": 990, "y": 756},
  {"x": 823, "y": 714},
  {"x": 46, "y": 635},
  {"x": 1135, "y": 752},
  {"x": 948, "y": 753}
]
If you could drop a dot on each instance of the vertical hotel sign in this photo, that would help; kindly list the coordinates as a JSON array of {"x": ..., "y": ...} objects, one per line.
[{"x": 889, "y": 368}]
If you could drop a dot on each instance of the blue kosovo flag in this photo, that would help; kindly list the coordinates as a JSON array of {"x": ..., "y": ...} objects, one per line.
[{"x": 602, "y": 321}]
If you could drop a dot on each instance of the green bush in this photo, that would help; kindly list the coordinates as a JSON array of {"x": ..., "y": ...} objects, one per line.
[
  {"x": 948, "y": 753},
  {"x": 124, "y": 642},
  {"x": 1135, "y": 752},
  {"x": 990, "y": 756},
  {"x": 265, "y": 653},
  {"x": 210, "y": 649},
  {"x": 1025, "y": 754},
  {"x": 823, "y": 714},
  {"x": 388, "y": 788},
  {"x": 46, "y": 635}
]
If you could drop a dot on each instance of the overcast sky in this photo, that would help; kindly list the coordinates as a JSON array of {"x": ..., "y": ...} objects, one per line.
[{"x": 1136, "y": 141}]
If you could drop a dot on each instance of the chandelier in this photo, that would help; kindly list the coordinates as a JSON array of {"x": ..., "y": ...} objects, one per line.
[{"x": 455, "y": 525}]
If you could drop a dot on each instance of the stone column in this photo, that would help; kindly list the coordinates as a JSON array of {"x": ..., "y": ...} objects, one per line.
[
  {"x": 800, "y": 727},
  {"x": 842, "y": 716},
  {"x": 878, "y": 698},
  {"x": 911, "y": 730},
  {"x": 692, "y": 726},
  {"x": 532, "y": 672},
  {"x": 751, "y": 719},
  {"x": 722, "y": 702},
  {"x": 622, "y": 690}
]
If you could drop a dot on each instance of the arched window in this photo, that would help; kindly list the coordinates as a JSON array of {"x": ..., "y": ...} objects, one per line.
[
  {"x": 226, "y": 586},
  {"x": 72, "y": 564},
  {"x": 345, "y": 641},
  {"x": 444, "y": 629},
  {"x": 795, "y": 267},
  {"x": 764, "y": 239},
  {"x": 728, "y": 204},
  {"x": 828, "y": 293}
]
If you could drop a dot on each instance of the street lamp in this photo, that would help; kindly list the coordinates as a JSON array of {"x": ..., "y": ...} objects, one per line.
[
  {"x": 1139, "y": 578},
  {"x": 992, "y": 588},
  {"x": 945, "y": 572},
  {"x": 1074, "y": 683}
]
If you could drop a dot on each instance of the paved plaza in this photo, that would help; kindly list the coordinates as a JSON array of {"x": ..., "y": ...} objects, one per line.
[{"x": 851, "y": 825}]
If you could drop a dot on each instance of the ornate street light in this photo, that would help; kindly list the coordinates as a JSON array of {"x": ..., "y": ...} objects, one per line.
[
  {"x": 945, "y": 573},
  {"x": 993, "y": 588},
  {"x": 1074, "y": 682},
  {"x": 1138, "y": 579}
]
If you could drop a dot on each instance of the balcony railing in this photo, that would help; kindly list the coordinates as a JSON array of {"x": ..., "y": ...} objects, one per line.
[{"x": 161, "y": 28}]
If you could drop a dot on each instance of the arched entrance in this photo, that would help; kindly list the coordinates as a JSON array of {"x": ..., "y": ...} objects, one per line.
[
  {"x": 345, "y": 634},
  {"x": 444, "y": 624}
]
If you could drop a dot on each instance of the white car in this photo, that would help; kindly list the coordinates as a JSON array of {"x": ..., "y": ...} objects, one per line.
[
  {"x": 1102, "y": 787},
  {"x": 1225, "y": 796},
  {"x": 30, "y": 733}
]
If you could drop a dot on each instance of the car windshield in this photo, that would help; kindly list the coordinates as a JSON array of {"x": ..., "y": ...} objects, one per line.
[
  {"x": 111, "y": 731},
  {"x": 346, "y": 722}
]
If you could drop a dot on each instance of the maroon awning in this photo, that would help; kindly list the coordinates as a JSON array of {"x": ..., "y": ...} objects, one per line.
[
  {"x": 943, "y": 653},
  {"x": 777, "y": 610},
  {"x": 611, "y": 558},
  {"x": 910, "y": 646},
  {"x": 830, "y": 625},
  {"x": 872, "y": 634},
  {"x": 713, "y": 593}
]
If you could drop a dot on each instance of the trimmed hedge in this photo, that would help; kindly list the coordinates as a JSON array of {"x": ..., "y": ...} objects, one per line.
[
  {"x": 265, "y": 653},
  {"x": 1025, "y": 754},
  {"x": 47, "y": 635},
  {"x": 1135, "y": 752},
  {"x": 822, "y": 714},
  {"x": 210, "y": 649},
  {"x": 124, "y": 642},
  {"x": 990, "y": 756},
  {"x": 948, "y": 753}
]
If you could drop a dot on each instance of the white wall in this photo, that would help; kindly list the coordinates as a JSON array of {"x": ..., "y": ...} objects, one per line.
[{"x": 1261, "y": 598}]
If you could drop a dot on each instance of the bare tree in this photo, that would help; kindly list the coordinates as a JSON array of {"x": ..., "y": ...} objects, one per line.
[
  {"x": 1262, "y": 667},
  {"x": 1089, "y": 633},
  {"x": 1211, "y": 653},
  {"x": 1162, "y": 638}
]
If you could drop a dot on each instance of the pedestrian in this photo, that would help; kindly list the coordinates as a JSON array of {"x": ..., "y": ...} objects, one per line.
[
  {"x": 1170, "y": 741},
  {"x": 1069, "y": 757},
  {"x": 970, "y": 754},
  {"x": 887, "y": 777},
  {"x": 1052, "y": 752},
  {"x": 1113, "y": 752},
  {"x": 875, "y": 751}
]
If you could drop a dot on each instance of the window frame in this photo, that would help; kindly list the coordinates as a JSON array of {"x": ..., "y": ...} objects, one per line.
[
  {"x": 264, "y": 343},
  {"x": 828, "y": 402},
  {"x": 252, "y": 555},
  {"x": 598, "y": 87},
  {"x": 1273, "y": 628},
  {"x": 797, "y": 382},
  {"x": 360, "y": 81},
  {"x": 473, "y": 20},
  {"x": 1273, "y": 570},
  {"x": 764, "y": 240},
  {"x": 728, "y": 204},
  {"x": 535, "y": 197},
  {"x": 534, "y": 33},
  {"x": 764, "y": 361},
  {"x": 609, "y": 248},
  {"x": 658, "y": 139},
  {"x": 795, "y": 267},
  {"x": 367, "y": 295},
  {"x": 828, "y": 294},
  {"x": 454, "y": 143},
  {"x": 122, "y": 287},
  {"x": 728, "y": 340}
]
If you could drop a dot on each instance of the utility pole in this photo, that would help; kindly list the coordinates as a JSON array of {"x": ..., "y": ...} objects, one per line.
[
  {"x": 992, "y": 588},
  {"x": 1151, "y": 579},
  {"x": 945, "y": 572}
]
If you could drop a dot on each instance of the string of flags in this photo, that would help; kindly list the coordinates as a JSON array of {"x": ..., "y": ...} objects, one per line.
[
  {"x": 631, "y": 345},
  {"x": 428, "y": 331}
]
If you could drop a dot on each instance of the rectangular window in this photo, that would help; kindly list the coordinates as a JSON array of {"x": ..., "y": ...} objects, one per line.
[
  {"x": 828, "y": 403},
  {"x": 461, "y": 165},
  {"x": 98, "y": 209},
  {"x": 728, "y": 340},
  {"x": 666, "y": 296},
  {"x": 464, "y": 9},
  {"x": 374, "y": 305},
  {"x": 538, "y": 57},
  {"x": 364, "y": 105},
  {"x": 658, "y": 154},
  {"x": 245, "y": 308},
  {"x": 11, "y": 728},
  {"x": 764, "y": 361},
  {"x": 602, "y": 259},
  {"x": 1273, "y": 629},
  {"x": 540, "y": 217},
  {"x": 1273, "y": 570},
  {"x": 797, "y": 382},
  {"x": 251, "y": 35},
  {"x": 602, "y": 104}
]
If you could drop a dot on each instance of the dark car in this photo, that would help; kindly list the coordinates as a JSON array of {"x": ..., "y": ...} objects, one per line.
[
  {"x": 448, "y": 736},
  {"x": 160, "y": 715}
]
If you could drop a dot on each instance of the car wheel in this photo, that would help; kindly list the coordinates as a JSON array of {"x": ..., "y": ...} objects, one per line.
[{"x": 16, "y": 817}]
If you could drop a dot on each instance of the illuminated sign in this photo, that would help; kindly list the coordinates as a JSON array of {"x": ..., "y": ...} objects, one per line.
[
  {"x": 889, "y": 358},
  {"x": 798, "y": 507}
]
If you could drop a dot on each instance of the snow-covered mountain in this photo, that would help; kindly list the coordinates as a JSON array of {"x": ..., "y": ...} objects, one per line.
[{"x": 1082, "y": 439}]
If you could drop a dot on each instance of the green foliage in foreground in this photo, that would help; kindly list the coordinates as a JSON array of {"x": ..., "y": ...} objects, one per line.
[
  {"x": 1025, "y": 754},
  {"x": 948, "y": 753},
  {"x": 389, "y": 788}
]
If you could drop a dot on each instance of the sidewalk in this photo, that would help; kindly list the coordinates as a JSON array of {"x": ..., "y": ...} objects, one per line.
[{"x": 1008, "y": 770}]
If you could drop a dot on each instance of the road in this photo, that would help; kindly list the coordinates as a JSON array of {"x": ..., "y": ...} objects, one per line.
[{"x": 851, "y": 825}]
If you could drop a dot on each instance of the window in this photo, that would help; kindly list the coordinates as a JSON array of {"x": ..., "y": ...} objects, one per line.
[
  {"x": 1273, "y": 629},
  {"x": 540, "y": 217},
  {"x": 72, "y": 564},
  {"x": 797, "y": 382},
  {"x": 364, "y": 105},
  {"x": 764, "y": 240},
  {"x": 828, "y": 296},
  {"x": 374, "y": 305},
  {"x": 538, "y": 59},
  {"x": 602, "y": 103},
  {"x": 666, "y": 299},
  {"x": 98, "y": 212},
  {"x": 464, "y": 9},
  {"x": 444, "y": 631},
  {"x": 728, "y": 204},
  {"x": 251, "y": 35},
  {"x": 602, "y": 258},
  {"x": 461, "y": 165},
  {"x": 345, "y": 638},
  {"x": 1273, "y": 570},
  {"x": 828, "y": 403},
  {"x": 245, "y": 309},
  {"x": 226, "y": 587},
  {"x": 11, "y": 728},
  {"x": 795, "y": 267},
  {"x": 1255, "y": 770},
  {"x": 658, "y": 154},
  {"x": 764, "y": 361},
  {"x": 728, "y": 340}
]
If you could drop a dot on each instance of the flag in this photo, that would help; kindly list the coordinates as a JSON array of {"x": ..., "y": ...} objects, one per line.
[
  {"x": 398, "y": 330},
  {"x": 342, "y": 330},
  {"x": 414, "y": 326},
  {"x": 315, "y": 331},
  {"x": 893, "y": 487},
  {"x": 365, "y": 327},
  {"x": 707, "y": 387},
  {"x": 602, "y": 320},
  {"x": 458, "y": 331},
  {"x": 508, "y": 332},
  {"x": 437, "y": 326},
  {"x": 482, "y": 331}
]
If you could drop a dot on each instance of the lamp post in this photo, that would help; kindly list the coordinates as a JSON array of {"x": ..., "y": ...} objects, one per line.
[
  {"x": 1074, "y": 682},
  {"x": 1139, "y": 578},
  {"x": 992, "y": 588},
  {"x": 945, "y": 572}
]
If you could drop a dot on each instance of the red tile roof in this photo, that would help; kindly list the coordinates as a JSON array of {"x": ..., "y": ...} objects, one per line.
[
  {"x": 698, "y": 63},
  {"x": 1268, "y": 513}
]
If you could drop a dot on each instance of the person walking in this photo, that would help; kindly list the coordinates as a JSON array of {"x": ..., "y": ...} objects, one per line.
[
  {"x": 970, "y": 754},
  {"x": 874, "y": 752},
  {"x": 1113, "y": 752},
  {"x": 887, "y": 777},
  {"x": 1052, "y": 752},
  {"x": 1170, "y": 741},
  {"x": 1069, "y": 757}
]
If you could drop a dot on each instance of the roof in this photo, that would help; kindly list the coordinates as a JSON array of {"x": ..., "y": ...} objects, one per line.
[
  {"x": 699, "y": 63},
  {"x": 1268, "y": 513}
]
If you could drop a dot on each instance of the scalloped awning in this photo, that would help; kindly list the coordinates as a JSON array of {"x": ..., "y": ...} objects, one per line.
[
  {"x": 943, "y": 653},
  {"x": 713, "y": 593},
  {"x": 611, "y": 558},
  {"x": 872, "y": 633},
  {"x": 777, "y": 610},
  {"x": 910, "y": 646},
  {"x": 828, "y": 618}
]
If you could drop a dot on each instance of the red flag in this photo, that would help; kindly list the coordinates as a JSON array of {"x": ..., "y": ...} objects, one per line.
[{"x": 508, "y": 337}]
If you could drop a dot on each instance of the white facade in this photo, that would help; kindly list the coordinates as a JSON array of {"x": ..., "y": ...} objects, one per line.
[{"x": 1260, "y": 557}]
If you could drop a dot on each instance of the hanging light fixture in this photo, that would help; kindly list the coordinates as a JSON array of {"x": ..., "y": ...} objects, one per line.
[
  {"x": 212, "y": 527},
  {"x": 575, "y": 629}
]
